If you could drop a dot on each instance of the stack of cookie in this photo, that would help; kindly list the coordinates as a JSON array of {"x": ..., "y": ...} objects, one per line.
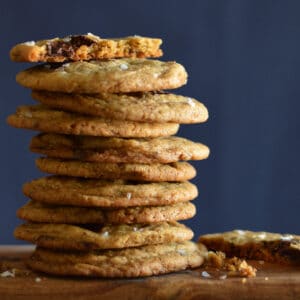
[{"x": 119, "y": 179}]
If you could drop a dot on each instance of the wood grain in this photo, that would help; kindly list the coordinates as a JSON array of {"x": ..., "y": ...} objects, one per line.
[{"x": 272, "y": 282}]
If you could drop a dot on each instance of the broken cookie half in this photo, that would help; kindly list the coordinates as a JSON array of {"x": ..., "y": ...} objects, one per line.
[
  {"x": 85, "y": 47},
  {"x": 270, "y": 247}
]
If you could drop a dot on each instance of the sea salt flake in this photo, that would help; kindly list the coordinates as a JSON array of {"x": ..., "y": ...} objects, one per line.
[
  {"x": 123, "y": 67},
  {"x": 105, "y": 234},
  {"x": 266, "y": 278},
  {"x": 135, "y": 229},
  {"x": 67, "y": 39},
  {"x": 287, "y": 237},
  {"x": 261, "y": 236},
  {"x": 8, "y": 273},
  {"x": 241, "y": 232},
  {"x": 46, "y": 66},
  {"x": 29, "y": 43},
  {"x": 38, "y": 279},
  {"x": 90, "y": 34},
  {"x": 190, "y": 102},
  {"x": 181, "y": 252},
  {"x": 205, "y": 274},
  {"x": 223, "y": 277},
  {"x": 128, "y": 196}
]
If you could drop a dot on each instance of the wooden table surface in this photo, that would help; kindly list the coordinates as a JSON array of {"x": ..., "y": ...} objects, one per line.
[{"x": 272, "y": 282}]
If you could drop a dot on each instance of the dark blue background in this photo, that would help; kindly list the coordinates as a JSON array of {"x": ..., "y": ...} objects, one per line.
[{"x": 243, "y": 60}]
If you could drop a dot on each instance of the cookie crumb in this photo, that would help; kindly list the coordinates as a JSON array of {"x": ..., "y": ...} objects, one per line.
[
  {"x": 47, "y": 66},
  {"x": 244, "y": 268},
  {"x": 8, "y": 273},
  {"x": 38, "y": 279},
  {"x": 244, "y": 280},
  {"x": 205, "y": 274},
  {"x": 216, "y": 259},
  {"x": 222, "y": 277},
  {"x": 261, "y": 262},
  {"x": 123, "y": 66},
  {"x": 234, "y": 266},
  {"x": 266, "y": 278}
]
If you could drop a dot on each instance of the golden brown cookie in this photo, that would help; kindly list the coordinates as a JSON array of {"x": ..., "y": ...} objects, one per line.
[
  {"x": 132, "y": 262},
  {"x": 43, "y": 118},
  {"x": 85, "y": 238},
  {"x": 178, "y": 171},
  {"x": 111, "y": 76},
  {"x": 140, "y": 107},
  {"x": 271, "y": 247},
  {"x": 118, "y": 150},
  {"x": 85, "y": 47},
  {"x": 46, "y": 213},
  {"x": 107, "y": 193}
]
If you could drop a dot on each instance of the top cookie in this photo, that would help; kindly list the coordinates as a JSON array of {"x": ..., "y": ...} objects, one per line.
[
  {"x": 85, "y": 47},
  {"x": 111, "y": 76}
]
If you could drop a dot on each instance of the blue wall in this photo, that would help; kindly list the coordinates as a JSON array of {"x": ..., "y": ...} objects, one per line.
[{"x": 243, "y": 60}]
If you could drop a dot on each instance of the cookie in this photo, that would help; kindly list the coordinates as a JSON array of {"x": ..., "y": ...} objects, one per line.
[
  {"x": 107, "y": 193},
  {"x": 118, "y": 150},
  {"x": 42, "y": 118},
  {"x": 140, "y": 107},
  {"x": 85, "y": 47},
  {"x": 46, "y": 213},
  {"x": 178, "y": 171},
  {"x": 72, "y": 237},
  {"x": 131, "y": 262},
  {"x": 111, "y": 76},
  {"x": 271, "y": 247}
]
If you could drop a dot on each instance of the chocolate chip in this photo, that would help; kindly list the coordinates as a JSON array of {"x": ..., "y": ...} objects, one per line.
[
  {"x": 79, "y": 40},
  {"x": 60, "y": 48},
  {"x": 67, "y": 47}
]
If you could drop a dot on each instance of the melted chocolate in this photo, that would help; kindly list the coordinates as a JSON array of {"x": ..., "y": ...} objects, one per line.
[{"x": 67, "y": 48}]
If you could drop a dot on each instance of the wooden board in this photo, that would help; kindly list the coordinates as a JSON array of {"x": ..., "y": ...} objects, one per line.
[{"x": 272, "y": 282}]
